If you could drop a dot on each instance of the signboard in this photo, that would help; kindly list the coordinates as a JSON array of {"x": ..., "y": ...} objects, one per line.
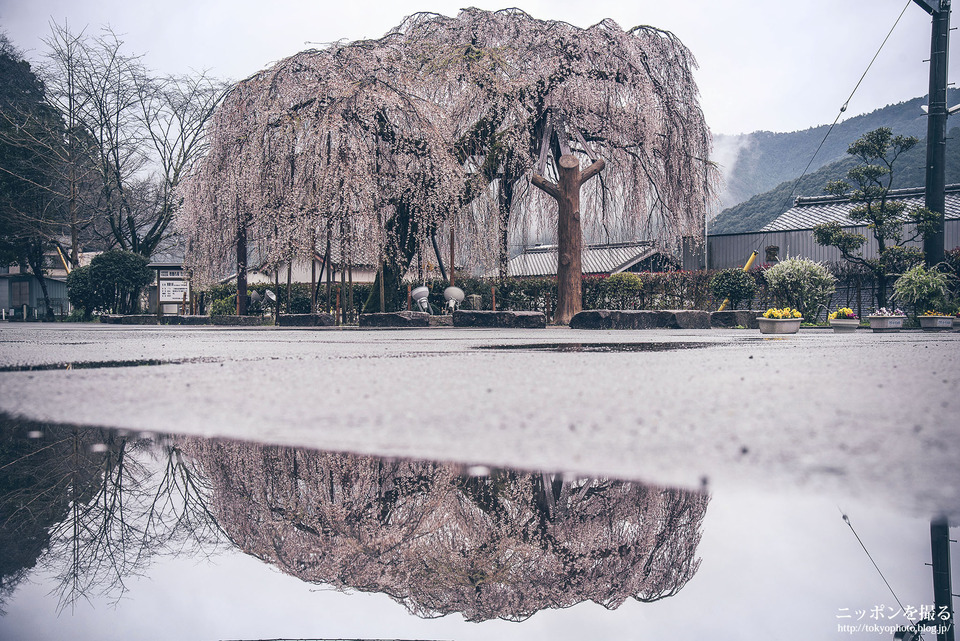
[
  {"x": 173, "y": 291},
  {"x": 175, "y": 274}
]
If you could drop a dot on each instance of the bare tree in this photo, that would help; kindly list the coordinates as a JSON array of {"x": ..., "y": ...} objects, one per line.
[
  {"x": 95, "y": 507},
  {"x": 130, "y": 133}
]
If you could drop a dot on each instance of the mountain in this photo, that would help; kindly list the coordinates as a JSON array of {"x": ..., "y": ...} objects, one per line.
[
  {"x": 759, "y": 169},
  {"x": 909, "y": 171}
]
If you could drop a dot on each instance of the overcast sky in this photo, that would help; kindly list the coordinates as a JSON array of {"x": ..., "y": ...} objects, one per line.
[{"x": 764, "y": 64}]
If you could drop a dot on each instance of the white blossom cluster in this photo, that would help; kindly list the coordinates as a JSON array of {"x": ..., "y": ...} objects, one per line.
[{"x": 438, "y": 126}]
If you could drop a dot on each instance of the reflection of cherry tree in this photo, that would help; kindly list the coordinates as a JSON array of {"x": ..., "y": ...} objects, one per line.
[
  {"x": 505, "y": 545},
  {"x": 94, "y": 507},
  {"x": 446, "y": 120}
]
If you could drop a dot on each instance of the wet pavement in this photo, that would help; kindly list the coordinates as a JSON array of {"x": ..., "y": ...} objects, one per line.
[
  {"x": 869, "y": 415},
  {"x": 525, "y": 472}
]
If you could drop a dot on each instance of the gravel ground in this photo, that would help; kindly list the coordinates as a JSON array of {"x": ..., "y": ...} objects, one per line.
[{"x": 869, "y": 416}]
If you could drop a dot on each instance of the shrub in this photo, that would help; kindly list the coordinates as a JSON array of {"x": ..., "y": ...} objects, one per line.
[
  {"x": 80, "y": 291},
  {"x": 924, "y": 289},
  {"x": 623, "y": 290},
  {"x": 111, "y": 283},
  {"x": 801, "y": 283},
  {"x": 116, "y": 277},
  {"x": 733, "y": 284}
]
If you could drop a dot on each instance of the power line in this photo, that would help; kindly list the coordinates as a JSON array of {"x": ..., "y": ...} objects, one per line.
[
  {"x": 846, "y": 520},
  {"x": 843, "y": 108}
]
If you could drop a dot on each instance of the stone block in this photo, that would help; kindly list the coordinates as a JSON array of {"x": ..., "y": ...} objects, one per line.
[
  {"x": 307, "y": 320},
  {"x": 736, "y": 318},
  {"x": 395, "y": 319},
  {"x": 237, "y": 321},
  {"x": 641, "y": 319},
  {"x": 508, "y": 320}
]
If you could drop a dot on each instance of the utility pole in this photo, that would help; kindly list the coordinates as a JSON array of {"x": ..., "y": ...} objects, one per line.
[
  {"x": 942, "y": 589},
  {"x": 936, "y": 122}
]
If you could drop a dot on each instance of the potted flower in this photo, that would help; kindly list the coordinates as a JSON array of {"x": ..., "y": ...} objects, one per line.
[
  {"x": 783, "y": 320},
  {"x": 886, "y": 320},
  {"x": 844, "y": 320},
  {"x": 932, "y": 321}
]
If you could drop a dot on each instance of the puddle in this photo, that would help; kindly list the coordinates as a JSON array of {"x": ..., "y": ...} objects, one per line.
[
  {"x": 108, "y": 534},
  {"x": 597, "y": 347},
  {"x": 146, "y": 362}
]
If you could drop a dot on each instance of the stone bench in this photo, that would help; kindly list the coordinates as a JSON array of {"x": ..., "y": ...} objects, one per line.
[
  {"x": 395, "y": 319},
  {"x": 307, "y": 320},
  {"x": 502, "y": 320},
  {"x": 736, "y": 318},
  {"x": 641, "y": 319}
]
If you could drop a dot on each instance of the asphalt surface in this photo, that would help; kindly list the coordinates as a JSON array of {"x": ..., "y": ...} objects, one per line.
[{"x": 869, "y": 416}]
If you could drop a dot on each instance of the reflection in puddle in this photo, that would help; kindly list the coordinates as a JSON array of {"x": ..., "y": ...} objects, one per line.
[
  {"x": 597, "y": 347},
  {"x": 144, "y": 362},
  {"x": 84, "y": 512},
  {"x": 437, "y": 538}
]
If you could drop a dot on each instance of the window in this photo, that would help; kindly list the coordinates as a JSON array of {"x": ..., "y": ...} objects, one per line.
[{"x": 19, "y": 293}]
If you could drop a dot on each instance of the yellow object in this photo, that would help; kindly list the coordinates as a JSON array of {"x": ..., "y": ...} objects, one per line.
[
  {"x": 784, "y": 313},
  {"x": 63, "y": 260},
  {"x": 746, "y": 268}
]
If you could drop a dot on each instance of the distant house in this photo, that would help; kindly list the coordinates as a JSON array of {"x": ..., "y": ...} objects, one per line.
[
  {"x": 791, "y": 234},
  {"x": 302, "y": 271},
  {"x": 21, "y": 291},
  {"x": 596, "y": 260}
]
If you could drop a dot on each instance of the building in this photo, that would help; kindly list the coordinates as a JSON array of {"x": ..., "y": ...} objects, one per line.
[
  {"x": 21, "y": 295},
  {"x": 302, "y": 271},
  {"x": 791, "y": 234},
  {"x": 596, "y": 260}
]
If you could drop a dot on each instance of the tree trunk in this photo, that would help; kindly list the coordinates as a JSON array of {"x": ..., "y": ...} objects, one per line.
[
  {"x": 570, "y": 241},
  {"x": 241, "y": 269},
  {"x": 569, "y": 236}
]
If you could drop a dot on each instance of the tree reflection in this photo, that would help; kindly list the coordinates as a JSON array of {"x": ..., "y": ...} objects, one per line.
[
  {"x": 93, "y": 507},
  {"x": 437, "y": 540}
]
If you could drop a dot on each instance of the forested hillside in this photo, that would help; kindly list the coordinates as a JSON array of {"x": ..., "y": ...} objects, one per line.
[
  {"x": 757, "y": 162},
  {"x": 763, "y": 208}
]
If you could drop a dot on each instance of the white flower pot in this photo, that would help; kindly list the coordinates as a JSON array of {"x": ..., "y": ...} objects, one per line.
[
  {"x": 936, "y": 323},
  {"x": 886, "y": 323},
  {"x": 844, "y": 325},
  {"x": 779, "y": 325}
]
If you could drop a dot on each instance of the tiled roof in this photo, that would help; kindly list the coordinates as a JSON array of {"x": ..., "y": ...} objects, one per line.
[
  {"x": 807, "y": 212},
  {"x": 595, "y": 259}
]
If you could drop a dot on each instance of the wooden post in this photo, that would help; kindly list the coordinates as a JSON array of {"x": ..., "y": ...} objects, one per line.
[
  {"x": 452, "y": 268},
  {"x": 241, "y": 268},
  {"x": 569, "y": 235},
  {"x": 289, "y": 278},
  {"x": 383, "y": 293},
  {"x": 409, "y": 298},
  {"x": 328, "y": 260},
  {"x": 313, "y": 279},
  {"x": 276, "y": 310},
  {"x": 493, "y": 297}
]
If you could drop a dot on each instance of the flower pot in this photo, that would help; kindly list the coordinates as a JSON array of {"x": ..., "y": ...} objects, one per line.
[
  {"x": 886, "y": 323},
  {"x": 936, "y": 323},
  {"x": 779, "y": 325},
  {"x": 844, "y": 325}
]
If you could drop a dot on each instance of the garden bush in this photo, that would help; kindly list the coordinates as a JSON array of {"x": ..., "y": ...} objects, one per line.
[
  {"x": 801, "y": 283},
  {"x": 111, "y": 283},
  {"x": 924, "y": 290},
  {"x": 733, "y": 284}
]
